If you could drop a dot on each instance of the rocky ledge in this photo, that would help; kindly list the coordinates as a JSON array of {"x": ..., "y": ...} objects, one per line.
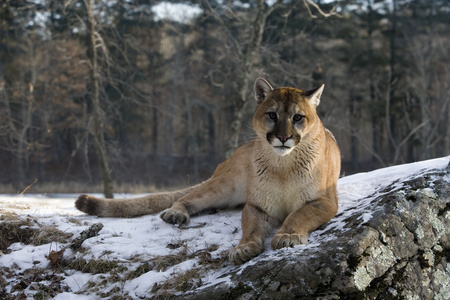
[{"x": 397, "y": 247}]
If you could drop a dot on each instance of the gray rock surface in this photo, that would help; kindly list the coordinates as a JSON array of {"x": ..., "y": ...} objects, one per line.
[{"x": 401, "y": 252}]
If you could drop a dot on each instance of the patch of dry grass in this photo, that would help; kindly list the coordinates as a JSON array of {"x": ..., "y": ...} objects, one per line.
[
  {"x": 44, "y": 283},
  {"x": 98, "y": 266},
  {"x": 26, "y": 230},
  {"x": 190, "y": 279},
  {"x": 48, "y": 234},
  {"x": 14, "y": 229},
  {"x": 181, "y": 281}
]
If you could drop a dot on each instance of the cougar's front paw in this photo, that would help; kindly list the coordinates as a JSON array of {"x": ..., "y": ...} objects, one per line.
[
  {"x": 243, "y": 253},
  {"x": 175, "y": 216},
  {"x": 284, "y": 240}
]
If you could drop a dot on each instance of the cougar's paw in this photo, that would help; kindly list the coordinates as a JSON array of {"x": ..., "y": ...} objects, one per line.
[
  {"x": 243, "y": 253},
  {"x": 175, "y": 216},
  {"x": 284, "y": 240}
]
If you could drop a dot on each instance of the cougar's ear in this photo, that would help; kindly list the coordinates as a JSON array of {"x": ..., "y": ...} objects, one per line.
[
  {"x": 262, "y": 88},
  {"x": 314, "y": 95}
]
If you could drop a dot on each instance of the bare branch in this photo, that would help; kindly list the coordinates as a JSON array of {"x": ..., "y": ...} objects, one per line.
[
  {"x": 406, "y": 139},
  {"x": 214, "y": 14},
  {"x": 326, "y": 15}
]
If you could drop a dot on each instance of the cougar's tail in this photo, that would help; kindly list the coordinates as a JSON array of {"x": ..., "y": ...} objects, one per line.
[{"x": 149, "y": 204}]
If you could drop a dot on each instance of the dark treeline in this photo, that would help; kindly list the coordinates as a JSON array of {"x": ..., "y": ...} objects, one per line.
[{"x": 111, "y": 89}]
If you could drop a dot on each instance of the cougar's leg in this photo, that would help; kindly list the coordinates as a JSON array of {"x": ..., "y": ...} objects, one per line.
[
  {"x": 256, "y": 225},
  {"x": 301, "y": 222},
  {"x": 216, "y": 192},
  {"x": 149, "y": 204}
]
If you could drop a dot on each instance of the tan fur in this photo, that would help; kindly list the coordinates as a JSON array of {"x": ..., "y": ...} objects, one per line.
[{"x": 286, "y": 176}]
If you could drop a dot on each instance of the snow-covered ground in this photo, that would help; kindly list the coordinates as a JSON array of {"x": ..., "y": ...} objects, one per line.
[{"x": 134, "y": 241}]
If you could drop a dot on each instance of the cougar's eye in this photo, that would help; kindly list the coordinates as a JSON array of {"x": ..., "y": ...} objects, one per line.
[
  {"x": 297, "y": 118},
  {"x": 272, "y": 115}
]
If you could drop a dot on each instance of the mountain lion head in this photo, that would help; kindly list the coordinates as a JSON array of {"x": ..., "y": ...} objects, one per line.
[{"x": 284, "y": 116}]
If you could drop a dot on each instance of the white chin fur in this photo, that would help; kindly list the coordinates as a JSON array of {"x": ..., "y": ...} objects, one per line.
[
  {"x": 282, "y": 150},
  {"x": 277, "y": 146}
]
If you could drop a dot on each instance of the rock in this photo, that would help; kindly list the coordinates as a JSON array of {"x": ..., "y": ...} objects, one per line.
[
  {"x": 401, "y": 252},
  {"x": 87, "y": 234}
]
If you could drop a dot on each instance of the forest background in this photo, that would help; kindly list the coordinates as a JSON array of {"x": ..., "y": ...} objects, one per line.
[{"x": 115, "y": 90}]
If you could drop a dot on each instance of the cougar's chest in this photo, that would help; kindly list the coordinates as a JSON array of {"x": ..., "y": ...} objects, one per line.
[{"x": 280, "y": 189}]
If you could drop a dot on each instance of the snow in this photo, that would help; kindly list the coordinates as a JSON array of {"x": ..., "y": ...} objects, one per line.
[
  {"x": 178, "y": 12},
  {"x": 138, "y": 240}
]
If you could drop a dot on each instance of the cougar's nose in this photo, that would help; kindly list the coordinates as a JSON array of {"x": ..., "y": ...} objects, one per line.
[{"x": 283, "y": 138}]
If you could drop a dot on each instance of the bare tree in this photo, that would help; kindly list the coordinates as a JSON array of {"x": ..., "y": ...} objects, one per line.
[
  {"x": 428, "y": 90},
  {"x": 246, "y": 53},
  {"x": 247, "y": 47},
  {"x": 18, "y": 122},
  {"x": 93, "y": 41}
]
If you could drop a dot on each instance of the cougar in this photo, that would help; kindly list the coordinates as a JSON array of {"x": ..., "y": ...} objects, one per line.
[{"x": 286, "y": 176}]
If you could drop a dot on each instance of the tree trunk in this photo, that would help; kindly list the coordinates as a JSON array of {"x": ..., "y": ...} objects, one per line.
[
  {"x": 27, "y": 108},
  {"x": 191, "y": 146},
  {"x": 236, "y": 123},
  {"x": 248, "y": 59},
  {"x": 97, "y": 113},
  {"x": 392, "y": 80},
  {"x": 22, "y": 155},
  {"x": 177, "y": 69},
  {"x": 372, "y": 85},
  {"x": 155, "y": 131},
  {"x": 353, "y": 125}
]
